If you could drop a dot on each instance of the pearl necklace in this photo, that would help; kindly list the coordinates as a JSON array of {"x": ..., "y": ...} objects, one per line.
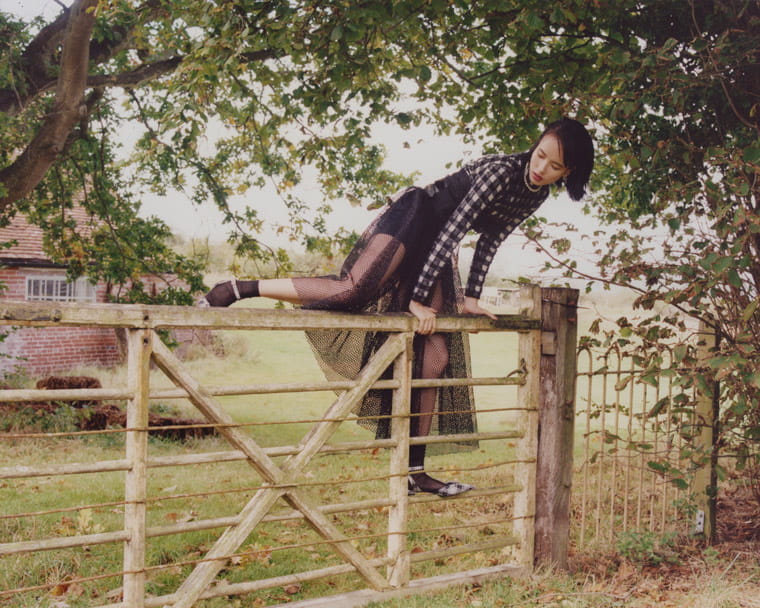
[{"x": 527, "y": 181}]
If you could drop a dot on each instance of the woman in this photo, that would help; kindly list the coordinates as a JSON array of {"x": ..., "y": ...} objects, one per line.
[{"x": 406, "y": 261}]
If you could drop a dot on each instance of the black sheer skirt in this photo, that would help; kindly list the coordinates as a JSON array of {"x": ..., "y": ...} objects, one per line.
[{"x": 378, "y": 277}]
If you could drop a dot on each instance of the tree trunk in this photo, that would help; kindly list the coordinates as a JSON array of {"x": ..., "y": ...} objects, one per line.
[{"x": 20, "y": 178}]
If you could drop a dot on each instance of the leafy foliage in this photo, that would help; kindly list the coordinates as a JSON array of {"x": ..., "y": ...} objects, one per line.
[
  {"x": 675, "y": 93},
  {"x": 647, "y": 548},
  {"x": 232, "y": 95}
]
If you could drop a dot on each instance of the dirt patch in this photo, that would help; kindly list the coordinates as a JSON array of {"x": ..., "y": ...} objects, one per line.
[
  {"x": 738, "y": 513},
  {"x": 63, "y": 382},
  {"x": 695, "y": 574},
  {"x": 91, "y": 415}
]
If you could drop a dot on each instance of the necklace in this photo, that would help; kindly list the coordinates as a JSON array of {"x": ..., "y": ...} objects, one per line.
[{"x": 527, "y": 181}]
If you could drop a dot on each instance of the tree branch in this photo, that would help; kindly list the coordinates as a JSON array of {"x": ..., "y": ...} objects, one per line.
[{"x": 30, "y": 167}]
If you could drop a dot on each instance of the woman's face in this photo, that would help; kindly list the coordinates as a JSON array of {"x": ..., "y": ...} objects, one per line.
[{"x": 546, "y": 163}]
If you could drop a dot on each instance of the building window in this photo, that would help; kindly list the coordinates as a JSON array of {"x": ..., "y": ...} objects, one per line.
[{"x": 58, "y": 289}]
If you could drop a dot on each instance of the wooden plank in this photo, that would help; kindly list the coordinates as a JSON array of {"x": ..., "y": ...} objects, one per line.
[
  {"x": 101, "y": 466},
  {"x": 398, "y": 570},
  {"x": 224, "y": 588},
  {"x": 350, "y": 599},
  {"x": 173, "y": 317},
  {"x": 705, "y": 482},
  {"x": 72, "y": 394},
  {"x": 529, "y": 344},
  {"x": 354, "y": 599},
  {"x": 224, "y": 522},
  {"x": 554, "y": 466},
  {"x": 66, "y": 542},
  {"x": 487, "y": 545},
  {"x": 231, "y": 589},
  {"x": 110, "y": 466},
  {"x": 338, "y": 385},
  {"x": 260, "y": 504},
  {"x": 139, "y": 344}
]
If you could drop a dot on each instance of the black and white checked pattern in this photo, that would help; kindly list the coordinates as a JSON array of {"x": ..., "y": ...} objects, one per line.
[{"x": 496, "y": 203}]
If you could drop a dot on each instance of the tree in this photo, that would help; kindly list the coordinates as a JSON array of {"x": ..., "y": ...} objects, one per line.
[
  {"x": 676, "y": 93},
  {"x": 281, "y": 86},
  {"x": 671, "y": 87}
]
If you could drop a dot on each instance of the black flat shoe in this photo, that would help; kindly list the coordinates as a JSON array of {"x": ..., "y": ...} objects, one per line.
[
  {"x": 454, "y": 488},
  {"x": 223, "y": 293},
  {"x": 447, "y": 490}
]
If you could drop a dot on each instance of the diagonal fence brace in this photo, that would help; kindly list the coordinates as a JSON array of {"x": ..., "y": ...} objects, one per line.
[{"x": 282, "y": 479}]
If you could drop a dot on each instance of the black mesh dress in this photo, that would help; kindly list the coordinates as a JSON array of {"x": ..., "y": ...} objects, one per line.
[
  {"x": 377, "y": 277},
  {"x": 411, "y": 248}
]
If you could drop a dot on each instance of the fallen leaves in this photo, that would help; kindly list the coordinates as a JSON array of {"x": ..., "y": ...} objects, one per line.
[{"x": 182, "y": 517}]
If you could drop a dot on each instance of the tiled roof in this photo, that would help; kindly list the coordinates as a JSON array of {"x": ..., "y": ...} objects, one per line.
[{"x": 28, "y": 237}]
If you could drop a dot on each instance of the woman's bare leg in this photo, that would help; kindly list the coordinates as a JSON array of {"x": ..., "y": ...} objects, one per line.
[{"x": 279, "y": 289}]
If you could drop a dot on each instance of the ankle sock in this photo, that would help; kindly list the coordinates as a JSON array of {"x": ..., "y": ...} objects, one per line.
[
  {"x": 417, "y": 456},
  {"x": 248, "y": 289},
  {"x": 417, "y": 472}
]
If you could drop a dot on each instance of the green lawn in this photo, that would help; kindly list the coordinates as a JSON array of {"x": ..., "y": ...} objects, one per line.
[
  {"x": 91, "y": 503},
  {"x": 182, "y": 494}
]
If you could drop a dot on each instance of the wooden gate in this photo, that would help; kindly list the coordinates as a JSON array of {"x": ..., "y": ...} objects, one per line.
[{"x": 281, "y": 481}]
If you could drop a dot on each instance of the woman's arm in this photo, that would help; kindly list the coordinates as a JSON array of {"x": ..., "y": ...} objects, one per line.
[
  {"x": 472, "y": 307},
  {"x": 425, "y": 315}
]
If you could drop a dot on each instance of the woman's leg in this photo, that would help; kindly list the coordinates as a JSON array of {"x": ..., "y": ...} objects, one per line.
[
  {"x": 368, "y": 273},
  {"x": 434, "y": 355}
]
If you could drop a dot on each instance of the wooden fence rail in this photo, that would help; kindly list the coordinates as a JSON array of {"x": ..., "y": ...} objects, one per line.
[{"x": 546, "y": 359}]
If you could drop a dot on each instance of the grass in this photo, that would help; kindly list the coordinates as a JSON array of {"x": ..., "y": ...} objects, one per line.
[
  {"x": 187, "y": 494},
  {"x": 90, "y": 503}
]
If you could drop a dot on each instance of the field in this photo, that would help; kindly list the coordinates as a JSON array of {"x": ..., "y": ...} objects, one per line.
[{"x": 647, "y": 571}]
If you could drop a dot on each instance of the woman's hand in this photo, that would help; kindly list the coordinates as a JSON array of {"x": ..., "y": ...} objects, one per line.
[
  {"x": 425, "y": 315},
  {"x": 472, "y": 307}
]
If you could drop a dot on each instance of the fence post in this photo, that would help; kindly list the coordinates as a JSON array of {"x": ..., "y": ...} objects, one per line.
[
  {"x": 705, "y": 482},
  {"x": 398, "y": 516},
  {"x": 556, "y": 424},
  {"x": 135, "y": 486},
  {"x": 527, "y": 397}
]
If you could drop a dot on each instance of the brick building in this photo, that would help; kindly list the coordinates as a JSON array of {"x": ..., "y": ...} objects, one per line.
[{"x": 29, "y": 275}]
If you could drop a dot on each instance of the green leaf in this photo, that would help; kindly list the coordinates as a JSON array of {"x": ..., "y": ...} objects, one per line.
[
  {"x": 749, "y": 311},
  {"x": 651, "y": 378},
  {"x": 754, "y": 379},
  {"x": 722, "y": 264},
  {"x": 535, "y": 21},
  {"x": 658, "y": 407},
  {"x": 752, "y": 154},
  {"x": 657, "y": 466}
]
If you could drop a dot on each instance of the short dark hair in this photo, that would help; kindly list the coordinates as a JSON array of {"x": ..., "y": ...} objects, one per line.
[{"x": 577, "y": 153}]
